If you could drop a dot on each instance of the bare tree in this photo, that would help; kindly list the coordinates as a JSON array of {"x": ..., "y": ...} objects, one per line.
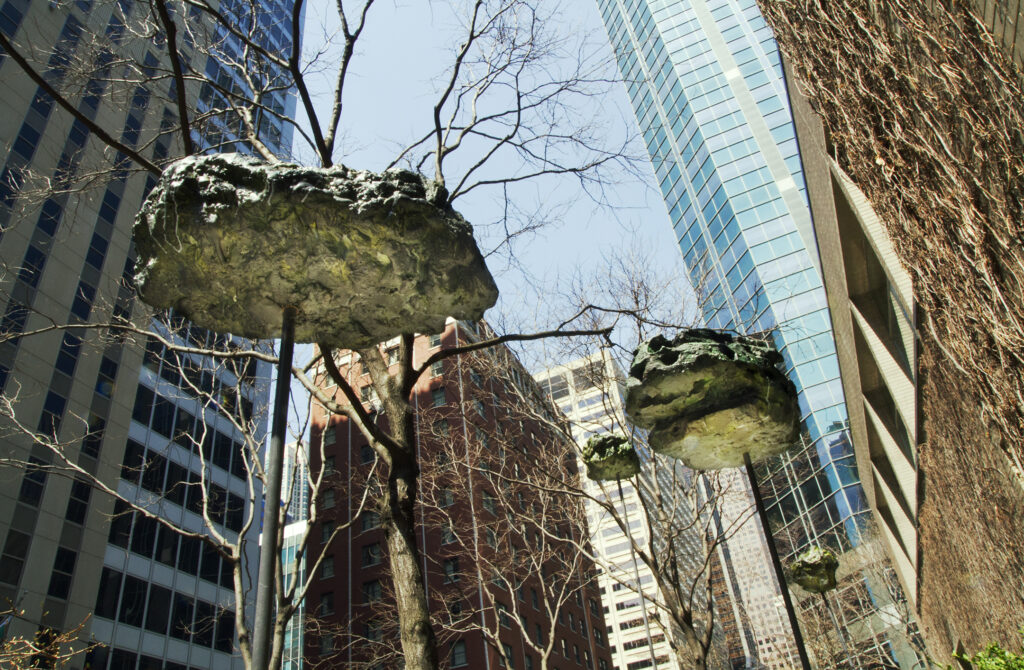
[{"x": 505, "y": 114}]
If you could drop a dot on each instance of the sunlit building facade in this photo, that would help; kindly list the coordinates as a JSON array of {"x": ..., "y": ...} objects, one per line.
[{"x": 705, "y": 80}]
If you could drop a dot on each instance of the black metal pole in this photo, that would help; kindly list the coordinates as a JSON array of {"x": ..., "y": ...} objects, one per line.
[
  {"x": 779, "y": 574},
  {"x": 263, "y": 619}
]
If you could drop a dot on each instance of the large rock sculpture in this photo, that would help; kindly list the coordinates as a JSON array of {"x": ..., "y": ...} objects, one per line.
[
  {"x": 815, "y": 570},
  {"x": 610, "y": 457},
  {"x": 709, "y": 397},
  {"x": 228, "y": 240}
]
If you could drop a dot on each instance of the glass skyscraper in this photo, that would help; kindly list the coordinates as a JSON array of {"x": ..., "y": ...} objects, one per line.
[{"x": 705, "y": 80}]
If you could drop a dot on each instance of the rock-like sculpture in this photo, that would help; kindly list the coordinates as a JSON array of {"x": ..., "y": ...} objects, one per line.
[
  {"x": 815, "y": 570},
  {"x": 709, "y": 397},
  {"x": 610, "y": 457},
  {"x": 228, "y": 240}
]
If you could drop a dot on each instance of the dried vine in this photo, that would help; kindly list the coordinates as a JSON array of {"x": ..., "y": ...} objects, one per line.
[{"x": 926, "y": 114}]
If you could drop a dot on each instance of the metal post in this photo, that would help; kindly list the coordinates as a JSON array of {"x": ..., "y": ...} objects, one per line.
[
  {"x": 263, "y": 619},
  {"x": 779, "y": 574},
  {"x": 839, "y": 631}
]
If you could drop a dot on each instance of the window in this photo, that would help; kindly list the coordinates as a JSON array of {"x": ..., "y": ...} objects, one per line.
[
  {"x": 538, "y": 634},
  {"x": 437, "y": 398},
  {"x": 447, "y": 498},
  {"x": 78, "y": 502},
  {"x": 106, "y": 598},
  {"x": 372, "y": 591},
  {"x": 327, "y": 499},
  {"x": 329, "y": 462},
  {"x": 158, "y": 613},
  {"x": 491, "y": 538},
  {"x": 458, "y": 654},
  {"x": 326, "y": 530},
  {"x": 373, "y": 630},
  {"x": 181, "y": 617},
  {"x": 330, "y": 436},
  {"x": 32, "y": 484},
  {"x": 224, "y": 640},
  {"x": 327, "y": 567},
  {"x": 451, "y": 570},
  {"x": 447, "y": 536},
  {"x": 576, "y": 654},
  {"x": 490, "y": 503},
  {"x": 60, "y": 578},
  {"x": 392, "y": 355},
  {"x": 535, "y": 601},
  {"x": 371, "y": 554},
  {"x": 565, "y": 648},
  {"x": 326, "y": 644},
  {"x": 478, "y": 405},
  {"x": 528, "y": 662},
  {"x": 506, "y": 660},
  {"x": 366, "y": 454},
  {"x": 371, "y": 520},
  {"x": 435, "y": 340},
  {"x": 327, "y": 603},
  {"x": 133, "y": 602},
  {"x": 503, "y": 617},
  {"x": 437, "y": 369}
]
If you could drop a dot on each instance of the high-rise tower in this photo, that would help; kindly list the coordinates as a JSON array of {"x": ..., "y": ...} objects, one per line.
[
  {"x": 144, "y": 421},
  {"x": 706, "y": 83}
]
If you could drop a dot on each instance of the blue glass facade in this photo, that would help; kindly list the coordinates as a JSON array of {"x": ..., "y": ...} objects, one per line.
[{"x": 705, "y": 81}]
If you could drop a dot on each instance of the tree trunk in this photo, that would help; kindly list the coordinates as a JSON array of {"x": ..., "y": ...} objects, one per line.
[{"x": 419, "y": 645}]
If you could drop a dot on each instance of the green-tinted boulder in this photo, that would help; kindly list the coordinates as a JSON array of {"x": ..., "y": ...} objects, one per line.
[
  {"x": 815, "y": 570},
  {"x": 228, "y": 240},
  {"x": 709, "y": 397},
  {"x": 610, "y": 457}
]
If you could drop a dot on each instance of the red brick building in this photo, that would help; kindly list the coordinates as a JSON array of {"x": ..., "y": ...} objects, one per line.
[{"x": 504, "y": 551}]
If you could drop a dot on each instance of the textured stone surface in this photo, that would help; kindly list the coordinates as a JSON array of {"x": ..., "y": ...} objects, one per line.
[
  {"x": 709, "y": 397},
  {"x": 815, "y": 570},
  {"x": 228, "y": 240},
  {"x": 610, "y": 457}
]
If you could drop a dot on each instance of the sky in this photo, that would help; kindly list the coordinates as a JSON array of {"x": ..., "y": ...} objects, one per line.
[{"x": 392, "y": 86}]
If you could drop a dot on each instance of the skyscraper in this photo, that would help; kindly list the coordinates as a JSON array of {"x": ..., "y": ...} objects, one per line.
[
  {"x": 705, "y": 80},
  {"x": 144, "y": 421},
  {"x": 508, "y": 582}
]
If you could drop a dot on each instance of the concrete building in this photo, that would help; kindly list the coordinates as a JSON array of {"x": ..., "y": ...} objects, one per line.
[
  {"x": 590, "y": 391},
  {"x": 505, "y": 583},
  {"x": 705, "y": 79},
  {"x": 140, "y": 419}
]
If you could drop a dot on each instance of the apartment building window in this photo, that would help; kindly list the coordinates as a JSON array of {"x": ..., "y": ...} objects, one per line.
[
  {"x": 447, "y": 536},
  {"x": 371, "y": 554},
  {"x": 327, "y": 603},
  {"x": 371, "y": 520},
  {"x": 437, "y": 398},
  {"x": 503, "y": 617},
  {"x": 435, "y": 340},
  {"x": 506, "y": 659},
  {"x": 437, "y": 368},
  {"x": 451, "y": 570},
  {"x": 372, "y": 591},
  {"x": 326, "y": 644},
  {"x": 528, "y": 662},
  {"x": 327, "y": 567},
  {"x": 490, "y": 502},
  {"x": 534, "y": 600},
  {"x": 158, "y": 612},
  {"x": 447, "y": 498},
  {"x": 326, "y": 530},
  {"x": 133, "y": 602},
  {"x": 491, "y": 538},
  {"x": 374, "y": 630},
  {"x": 327, "y": 500},
  {"x": 329, "y": 436},
  {"x": 478, "y": 405},
  {"x": 458, "y": 654},
  {"x": 538, "y": 634},
  {"x": 392, "y": 355},
  {"x": 366, "y": 454},
  {"x": 329, "y": 460}
]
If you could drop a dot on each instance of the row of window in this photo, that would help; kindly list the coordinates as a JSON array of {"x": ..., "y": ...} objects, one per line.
[
  {"x": 150, "y": 539},
  {"x": 179, "y": 485},
  {"x": 135, "y": 602}
]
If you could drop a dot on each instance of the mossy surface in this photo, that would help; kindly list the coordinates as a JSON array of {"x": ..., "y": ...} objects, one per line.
[
  {"x": 609, "y": 457},
  {"x": 709, "y": 397},
  {"x": 815, "y": 570},
  {"x": 227, "y": 241}
]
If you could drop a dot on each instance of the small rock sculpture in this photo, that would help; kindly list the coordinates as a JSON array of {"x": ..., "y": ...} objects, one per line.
[
  {"x": 610, "y": 457},
  {"x": 815, "y": 570},
  {"x": 228, "y": 240},
  {"x": 709, "y": 397}
]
